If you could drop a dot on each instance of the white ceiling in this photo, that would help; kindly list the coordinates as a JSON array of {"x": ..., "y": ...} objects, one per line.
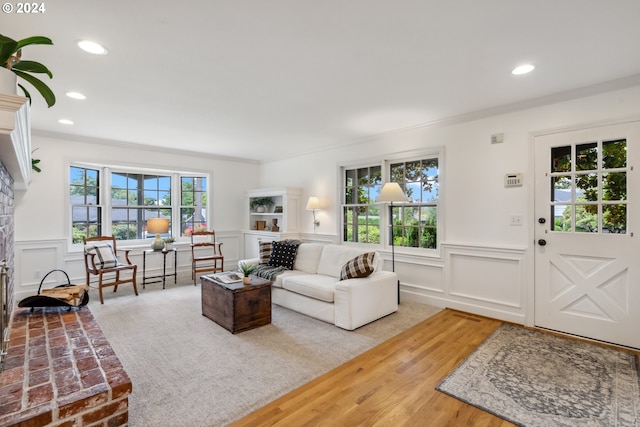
[{"x": 266, "y": 79}]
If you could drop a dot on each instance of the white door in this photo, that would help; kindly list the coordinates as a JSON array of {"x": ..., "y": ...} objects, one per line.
[{"x": 587, "y": 259}]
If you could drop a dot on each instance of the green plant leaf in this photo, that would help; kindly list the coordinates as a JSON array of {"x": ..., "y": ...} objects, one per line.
[
  {"x": 33, "y": 40},
  {"x": 34, "y": 162},
  {"x": 7, "y": 48},
  {"x": 26, "y": 92},
  {"x": 32, "y": 67},
  {"x": 40, "y": 86}
]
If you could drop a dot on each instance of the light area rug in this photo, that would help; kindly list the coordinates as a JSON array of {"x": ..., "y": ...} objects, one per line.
[
  {"x": 187, "y": 370},
  {"x": 536, "y": 379}
]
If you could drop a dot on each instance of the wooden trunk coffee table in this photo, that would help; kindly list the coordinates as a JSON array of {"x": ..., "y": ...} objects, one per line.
[{"x": 235, "y": 306}]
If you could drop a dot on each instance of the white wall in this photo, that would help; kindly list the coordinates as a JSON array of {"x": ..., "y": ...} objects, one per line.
[
  {"x": 485, "y": 265},
  {"x": 41, "y": 216}
]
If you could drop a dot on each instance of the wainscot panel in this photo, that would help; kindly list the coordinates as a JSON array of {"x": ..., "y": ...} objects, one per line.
[{"x": 488, "y": 281}]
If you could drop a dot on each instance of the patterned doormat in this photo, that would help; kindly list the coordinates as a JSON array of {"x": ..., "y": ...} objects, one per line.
[{"x": 535, "y": 379}]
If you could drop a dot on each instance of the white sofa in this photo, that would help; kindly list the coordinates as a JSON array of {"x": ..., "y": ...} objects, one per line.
[{"x": 314, "y": 287}]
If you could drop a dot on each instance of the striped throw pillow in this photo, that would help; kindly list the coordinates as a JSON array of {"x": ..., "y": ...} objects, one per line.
[
  {"x": 265, "y": 251},
  {"x": 360, "y": 266}
]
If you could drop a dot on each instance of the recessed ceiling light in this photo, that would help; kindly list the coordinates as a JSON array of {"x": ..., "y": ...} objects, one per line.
[
  {"x": 76, "y": 95},
  {"x": 65, "y": 121},
  {"x": 92, "y": 47},
  {"x": 523, "y": 69}
]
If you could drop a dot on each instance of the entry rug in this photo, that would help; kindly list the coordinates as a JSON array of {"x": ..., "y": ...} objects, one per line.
[{"x": 535, "y": 379}]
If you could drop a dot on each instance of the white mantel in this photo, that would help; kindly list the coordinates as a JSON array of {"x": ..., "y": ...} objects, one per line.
[{"x": 15, "y": 138}]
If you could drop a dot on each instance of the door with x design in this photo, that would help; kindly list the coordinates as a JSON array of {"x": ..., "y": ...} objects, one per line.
[{"x": 587, "y": 259}]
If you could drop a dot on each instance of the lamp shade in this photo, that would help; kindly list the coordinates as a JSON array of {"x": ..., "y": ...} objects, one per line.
[
  {"x": 313, "y": 203},
  {"x": 157, "y": 225},
  {"x": 391, "y": 192}
]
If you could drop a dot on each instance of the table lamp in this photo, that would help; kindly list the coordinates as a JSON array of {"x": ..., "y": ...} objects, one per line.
[{"x": 158, "y": 226}]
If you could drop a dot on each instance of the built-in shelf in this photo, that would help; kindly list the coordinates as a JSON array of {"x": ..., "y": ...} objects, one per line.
[{"x": 261, "y": 224}]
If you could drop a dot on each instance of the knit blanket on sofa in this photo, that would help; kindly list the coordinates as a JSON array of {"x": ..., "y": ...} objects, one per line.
[{"x": 268, "y": 272}]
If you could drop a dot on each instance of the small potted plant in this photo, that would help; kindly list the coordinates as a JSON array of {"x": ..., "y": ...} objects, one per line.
[
  {"x": 246, "y": 270},
  {"x": 11, "y": 59},
  {"x": 168, "y": 243},
  {"x": 261, "y": 204}
]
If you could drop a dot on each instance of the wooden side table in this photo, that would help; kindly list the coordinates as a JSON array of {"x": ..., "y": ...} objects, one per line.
[
  {"x": 161, "y": 277},
  {"x": 235, "y": 306}
]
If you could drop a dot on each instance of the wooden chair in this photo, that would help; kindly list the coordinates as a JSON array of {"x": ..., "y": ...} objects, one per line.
[
  {"x": 206, "y": 253},
  {"x": 101, "y": 259}
]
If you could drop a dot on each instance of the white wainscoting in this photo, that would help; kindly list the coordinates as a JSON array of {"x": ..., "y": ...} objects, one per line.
[
  {"x": 489, "y": 281},
  {"x": 35, "y": 258}
]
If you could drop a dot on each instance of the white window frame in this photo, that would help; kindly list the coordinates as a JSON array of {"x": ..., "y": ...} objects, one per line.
[
  {"x": 386, "y": 161},
  {"x": 104, "y": 171}
]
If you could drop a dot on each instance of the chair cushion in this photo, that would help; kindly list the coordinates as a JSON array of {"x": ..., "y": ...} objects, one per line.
[
  {"x": 283, "y": 255},
  {"x": 105, "y": 257},
  {"x": 265, "y": 252},
  {"x": 360, "y": 266}
]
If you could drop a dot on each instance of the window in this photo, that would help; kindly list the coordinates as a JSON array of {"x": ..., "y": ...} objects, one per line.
[
  {"x": 589, "y": 187},
  {"x": 193, "y": 205},
  {"x": 84, "y": 195},
  {"x": 134, "y": 199},
  {"x": 360, "y": 214},
  {"x": 415, "y": 224},
  {"x": 121, "y": 204}
]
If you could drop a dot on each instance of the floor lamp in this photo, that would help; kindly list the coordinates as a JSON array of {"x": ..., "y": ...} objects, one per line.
[{"x": 391, "y": 192}]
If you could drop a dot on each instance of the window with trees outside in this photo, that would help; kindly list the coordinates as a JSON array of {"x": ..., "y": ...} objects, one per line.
[
  {"x": 415, "y": 224},
  {"x": 121, "y": 204},
  {"x": 360, "y": 214},
  {"x": 589, "y": 187}
]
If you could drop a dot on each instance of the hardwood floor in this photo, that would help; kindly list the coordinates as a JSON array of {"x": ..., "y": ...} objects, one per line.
[{"x": 392, "y": 384}]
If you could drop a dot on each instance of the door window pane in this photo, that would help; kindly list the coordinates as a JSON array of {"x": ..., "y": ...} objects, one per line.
[
  {"x": 587, "y": 187},
  {"x": 562, "y": 217},
  {"x": 614, "y": 219},
  {"x": 587, "y": 156},
  {"x": 561, "y": 159},
  {"x": 614, "y": 186},
  {"x": 561, "y": 188},
  {"x": 586, "y": 219},
  {"x": 614, "y": 154}
]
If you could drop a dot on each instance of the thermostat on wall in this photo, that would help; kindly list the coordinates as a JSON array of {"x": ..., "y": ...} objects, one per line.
[{"x": 513, "y": 180}]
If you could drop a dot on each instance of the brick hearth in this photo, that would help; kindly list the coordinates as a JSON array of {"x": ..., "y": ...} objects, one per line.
[{"x": 61, "y": 371}]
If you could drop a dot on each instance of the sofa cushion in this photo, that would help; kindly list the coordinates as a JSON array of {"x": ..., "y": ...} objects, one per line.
[
  {"x": 265, "y": 251},
  {"x": 334, "y": 257},
  {"x": 360, "y": 266},
  {"x": 277, "y": 281},
  {"x": 308, "y": 257},
  {"x": 283, "y": 255},
  {"x": 315, "y": 286}
]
